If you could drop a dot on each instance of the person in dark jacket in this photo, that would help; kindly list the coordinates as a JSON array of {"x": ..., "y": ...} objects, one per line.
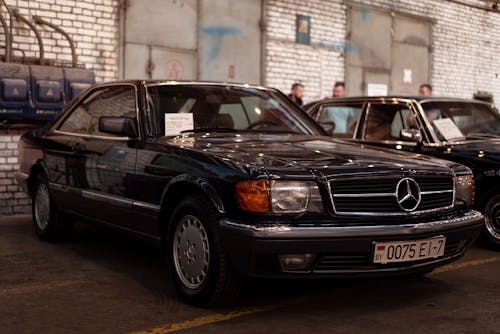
[{"x": 297, "y": 93}]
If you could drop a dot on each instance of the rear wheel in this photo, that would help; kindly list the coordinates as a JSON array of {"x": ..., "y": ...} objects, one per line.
[
  {"x": 492, "y": 220},
  {"x": 48, "y": 222},
  {"x": 196, "y": 255}
]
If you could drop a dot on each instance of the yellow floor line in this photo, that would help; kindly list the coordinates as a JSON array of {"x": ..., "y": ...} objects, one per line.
[
  {"x": 460, "y": 265},
  {"x": 220, "y": 317},
  {"x": 209, "y": 319}
]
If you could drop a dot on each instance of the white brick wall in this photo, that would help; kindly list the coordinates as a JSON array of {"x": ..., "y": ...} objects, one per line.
[
  {"x": 93, "y": 25},
  {"x": 317, "y": 66},
  {"x": 465, "y": 45},
  {"x": 12, "y": 199}
]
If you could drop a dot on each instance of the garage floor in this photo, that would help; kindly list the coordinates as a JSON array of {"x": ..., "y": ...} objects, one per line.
[{"x": 103, "y": 282}]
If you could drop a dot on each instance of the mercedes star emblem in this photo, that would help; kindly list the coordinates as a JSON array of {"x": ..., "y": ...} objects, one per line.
[{"x": 408, "y": 194}]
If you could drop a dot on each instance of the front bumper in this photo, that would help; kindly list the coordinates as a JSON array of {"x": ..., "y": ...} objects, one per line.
[{"x": 341, "y": 251}]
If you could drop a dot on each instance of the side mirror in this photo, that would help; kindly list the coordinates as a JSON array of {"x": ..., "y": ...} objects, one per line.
[
  {"x": 124, "y": 126},
  {"x": 412, "y": 135}
]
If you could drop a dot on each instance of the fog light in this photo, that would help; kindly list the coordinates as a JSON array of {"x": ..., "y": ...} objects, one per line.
[{"x": 296, "y": 262}]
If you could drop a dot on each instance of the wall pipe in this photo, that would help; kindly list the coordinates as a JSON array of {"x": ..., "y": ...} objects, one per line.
[
  {"x": 38, "y": 20},
  {"x": 7, "y": 38},
  {"x": 21, "y": 18},
  {"x": 8, "y": 34}
]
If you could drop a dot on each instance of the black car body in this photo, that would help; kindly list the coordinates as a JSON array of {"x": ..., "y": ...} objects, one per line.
[
  {"x": 409, "y": 123},
  {"x": 235, "y": 179}
]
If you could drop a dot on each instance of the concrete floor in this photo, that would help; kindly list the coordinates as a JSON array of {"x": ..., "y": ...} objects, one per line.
[{"x": 102, "y": 282}]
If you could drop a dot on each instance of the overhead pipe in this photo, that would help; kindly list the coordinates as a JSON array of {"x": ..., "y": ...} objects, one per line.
[
  {"x": 8, "y": 33},
  {"x": 21, "y": 18},
  {"x": 7, "y": 38},
  {"x": 38, "y": 20}
]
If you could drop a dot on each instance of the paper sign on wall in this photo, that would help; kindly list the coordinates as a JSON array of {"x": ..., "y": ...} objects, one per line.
[
  {"x": 177, "y": 123},
  {"x": 377, "y": 89},
  {"x": 407, "y": 75},
  {"x": 448, "y": 129}
]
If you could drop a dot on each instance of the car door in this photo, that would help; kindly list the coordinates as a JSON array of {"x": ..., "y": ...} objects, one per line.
[
  {"x": 340, "y": 119},
  {"x": 97, "y": 165}
]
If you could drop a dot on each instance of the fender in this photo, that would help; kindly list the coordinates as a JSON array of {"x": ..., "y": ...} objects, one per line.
[{"x": 200, "y": 183}]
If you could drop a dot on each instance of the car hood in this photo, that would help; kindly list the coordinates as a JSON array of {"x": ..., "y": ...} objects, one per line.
[{"x": 288, "y": 154}]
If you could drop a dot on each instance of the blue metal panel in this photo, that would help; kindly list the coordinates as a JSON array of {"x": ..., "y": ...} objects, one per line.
[
  {"x": 76, "y": 80},
  {"x": 47, "y": 84},
  {"x": 14, "y": 81}
]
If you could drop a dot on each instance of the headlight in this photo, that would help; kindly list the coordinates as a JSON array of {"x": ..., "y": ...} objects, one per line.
[
  {"x": 279, "y": 196},
  {"x": 295, "y": 197},
  {"x": 464, "y": 189}
]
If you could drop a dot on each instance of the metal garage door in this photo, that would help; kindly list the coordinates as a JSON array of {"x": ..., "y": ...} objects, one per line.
[
  {"x": 190, "y": 39},
  {"x": 160, "y": 39},
  {"x": 389, "y": 52}
]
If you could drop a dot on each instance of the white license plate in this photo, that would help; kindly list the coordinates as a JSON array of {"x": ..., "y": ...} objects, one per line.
[{"x": 405, "y": 251}]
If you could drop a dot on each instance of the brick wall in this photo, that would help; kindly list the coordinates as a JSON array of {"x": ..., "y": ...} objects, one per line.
[
  {"x": 92, "y": 24},
  {"x": 12, "y": 199},
  {"x": 464, "y": 56}
]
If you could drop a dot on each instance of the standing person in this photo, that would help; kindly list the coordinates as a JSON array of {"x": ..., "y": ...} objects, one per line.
[
  {"x": 425, "y": 90},
  {"x": 297, "y": 93},
  {"x": 343, "y": 117},
  {"x": 339, "y": 89}
]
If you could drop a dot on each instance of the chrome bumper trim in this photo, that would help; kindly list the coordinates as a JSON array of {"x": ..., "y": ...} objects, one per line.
[
  {"x": 284, "y": 231},
  {"x": 22, "y": 180}
]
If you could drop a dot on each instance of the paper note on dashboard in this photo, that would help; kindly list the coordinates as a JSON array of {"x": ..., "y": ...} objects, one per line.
[
  {"x": 177, "y": 123},
  {"x": 448, "y": 128}
]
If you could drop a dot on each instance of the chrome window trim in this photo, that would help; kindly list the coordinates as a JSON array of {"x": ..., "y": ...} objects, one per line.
[
  {"x": 413, "y": 105},
  {"x": 91, "y": 91},
  {"x": 74, "y": 134}
]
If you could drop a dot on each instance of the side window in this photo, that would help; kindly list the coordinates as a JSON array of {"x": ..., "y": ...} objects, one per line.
[
  {"x": 111, "y": 101},
  {"x": 402, "y": 120},
  {"x": 341, "y": 118},
  {"x": 385, "y": 121}
]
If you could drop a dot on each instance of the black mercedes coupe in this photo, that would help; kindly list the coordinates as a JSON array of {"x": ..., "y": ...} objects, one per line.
[{"x": 234, "y": 180}]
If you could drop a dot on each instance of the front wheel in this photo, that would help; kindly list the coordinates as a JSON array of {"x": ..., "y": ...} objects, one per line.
[
  {"x": 48, "y": 222},
  {"x": 197, "y": 259},
  {"x": 492, "y": 221}
]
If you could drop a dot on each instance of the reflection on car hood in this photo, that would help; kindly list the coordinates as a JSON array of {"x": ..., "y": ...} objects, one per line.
[{"x": 289, "y": 153}]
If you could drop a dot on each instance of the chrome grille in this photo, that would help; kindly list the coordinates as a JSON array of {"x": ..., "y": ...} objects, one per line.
[{"x": 379, "y": 195}]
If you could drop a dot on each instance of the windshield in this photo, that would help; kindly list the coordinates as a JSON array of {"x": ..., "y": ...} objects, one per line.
[
  {"x": 180, "y": 109},
  {"x": 468, "y": 118}
]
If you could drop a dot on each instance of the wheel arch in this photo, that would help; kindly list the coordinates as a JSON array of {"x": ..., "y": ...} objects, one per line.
[
  {"x": 38, "y": 168},
  {"x": 180, "y": 187},
  {"x": 484, "y": 188}
]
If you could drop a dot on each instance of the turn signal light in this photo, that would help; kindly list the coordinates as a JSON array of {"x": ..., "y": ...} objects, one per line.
[{"x": 254, "y": 196}]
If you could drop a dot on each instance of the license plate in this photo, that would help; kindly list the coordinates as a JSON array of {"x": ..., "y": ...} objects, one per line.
[{"x": 405, "y": 251}]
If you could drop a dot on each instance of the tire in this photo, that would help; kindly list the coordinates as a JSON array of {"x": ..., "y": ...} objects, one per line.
[
  {"x": 48, "y": 222},
  {"x": 491, "y": 213},
  {"x": 196, "y": 256}
]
